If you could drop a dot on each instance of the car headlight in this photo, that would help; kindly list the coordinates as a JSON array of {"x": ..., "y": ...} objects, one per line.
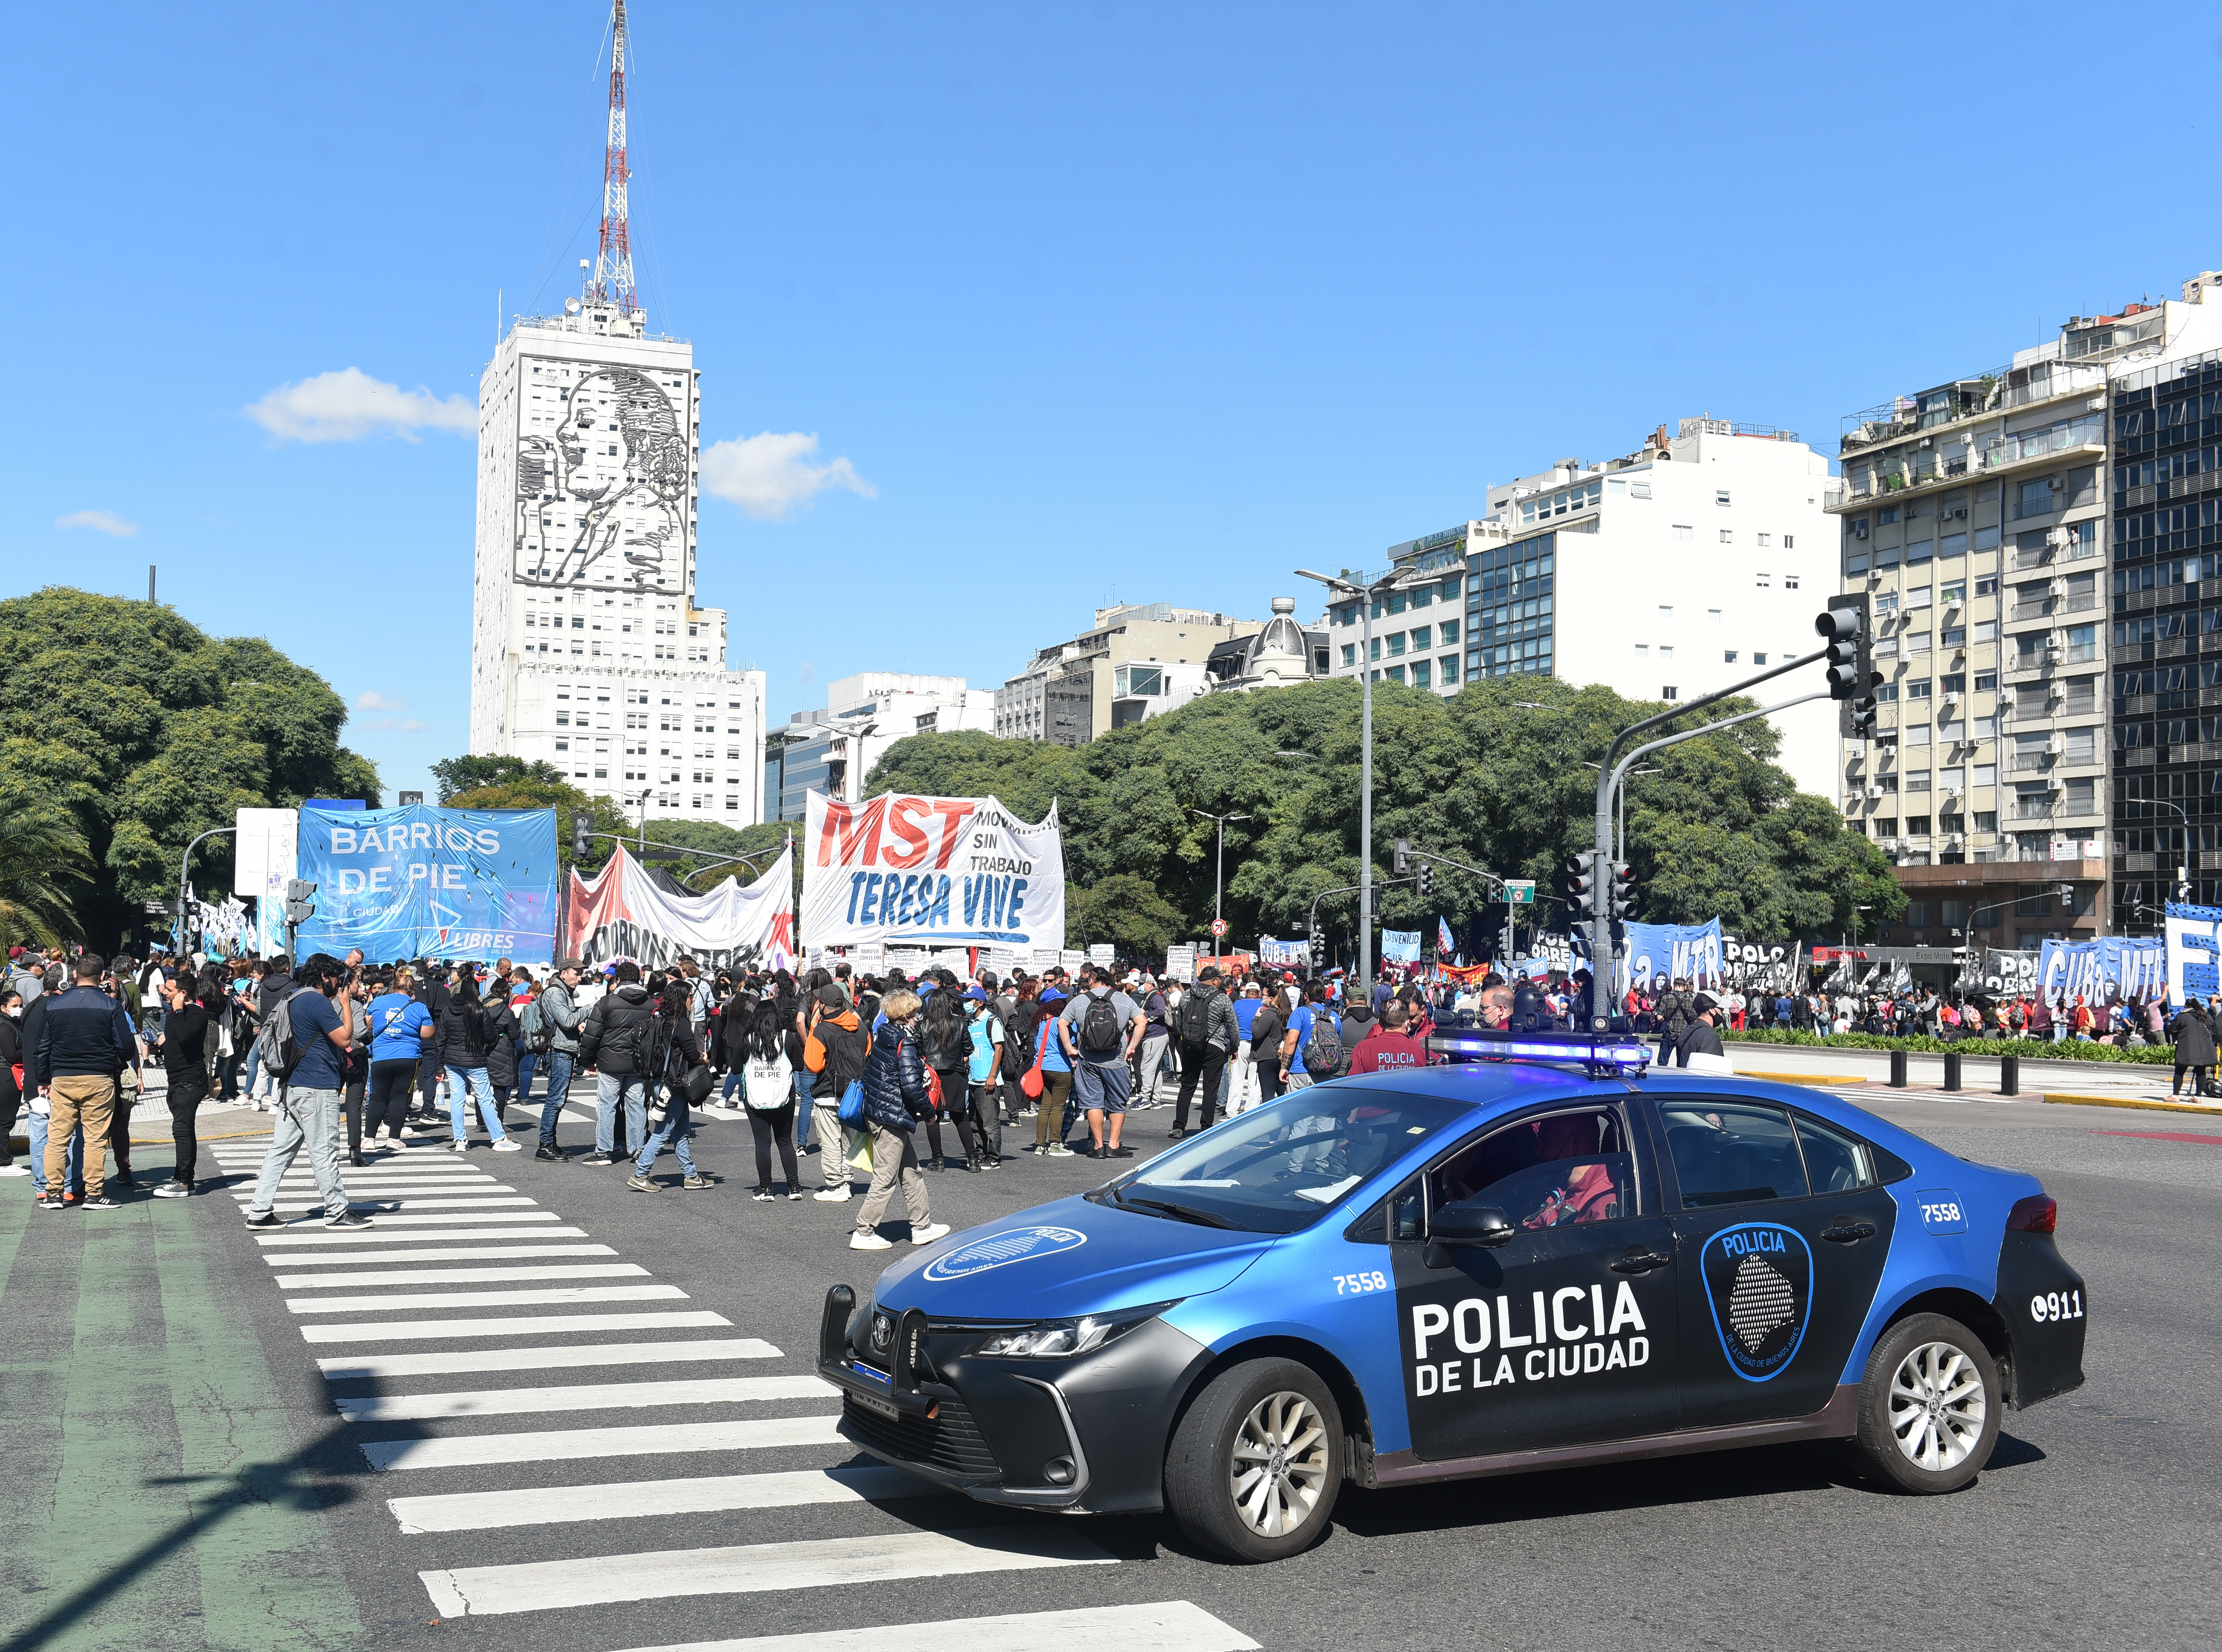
[{"x": 1060, "y": 1339}]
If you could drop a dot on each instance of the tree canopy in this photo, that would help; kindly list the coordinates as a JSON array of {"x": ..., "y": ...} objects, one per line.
[
  {"x": 148, "y": 732},
  {"x": 452, "y": 776},
  {"x": 1719, "y": 830}
]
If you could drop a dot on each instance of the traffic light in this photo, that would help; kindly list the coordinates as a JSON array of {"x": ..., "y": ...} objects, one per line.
[
  {"x": 1852, "y": 676},
  {"x": 1858, "y": 719},
  {"x": 1620, "y": 896},
  {"x": 299, "y": 908},
  {"x": 578, "y": 836},
  {"x": 1402, "y": 857},
  {"x": 1427, "y": 877}
]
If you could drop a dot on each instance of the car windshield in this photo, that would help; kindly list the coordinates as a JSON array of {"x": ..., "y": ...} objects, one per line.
[{"x": 1283, "y": 1166}]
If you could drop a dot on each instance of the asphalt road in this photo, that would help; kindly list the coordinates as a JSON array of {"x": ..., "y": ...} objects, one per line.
[{"x": 2095, "y": 1524}]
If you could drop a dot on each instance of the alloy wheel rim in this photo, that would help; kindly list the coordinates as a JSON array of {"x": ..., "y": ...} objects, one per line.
[
  {"x": 1937, "y": 1406},
  {"x": 1279, "y": 1466}
]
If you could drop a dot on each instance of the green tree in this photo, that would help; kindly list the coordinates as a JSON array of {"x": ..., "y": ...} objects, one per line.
[
  {"x": 1718, "y": 830},
  {"x": 148, "y": 732},
  {"x": 533, "y": 792},
  {"x": 42, "y": 862},
  {"x": 455, "y": 775},
  {"x": 1125, "y": 910}
]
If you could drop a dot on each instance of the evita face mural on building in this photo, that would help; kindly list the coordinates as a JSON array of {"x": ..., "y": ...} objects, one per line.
[{"x": 606, "y": 491}]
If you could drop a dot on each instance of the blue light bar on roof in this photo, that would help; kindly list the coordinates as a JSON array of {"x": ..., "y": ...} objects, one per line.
[{"x": 1566, "y": 1049}]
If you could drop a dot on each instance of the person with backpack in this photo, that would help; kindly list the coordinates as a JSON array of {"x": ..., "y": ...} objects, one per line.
[
  {"x": 732, "y": 1030},
  {"x": 463, "y": 1037},
  {"x": 676, "y": 1062},
  {"x": 555, "y": 1040},
  {"x": 1205, "y": 1026},
  {"x": 304, "y": 1043},
  {"x": 1099, "y": 1030},
  {"x": 615, "y": 1041},
  {"x": 1673, "y": 1014},
  {"x": 767, "y": 1092},
  {"x": 524, "y": 999},
  {"x": 834, "y": 1051},
  {"x": 1311, "y": 1047},
  {"x": 509, "y": 1070},
  {"x": 895, "y": 1098},
  {"x": 1054, "y": 1077},
  {"x": 945, "y": 1045}
]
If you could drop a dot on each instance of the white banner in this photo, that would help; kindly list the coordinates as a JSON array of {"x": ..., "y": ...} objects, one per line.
[
  {"x": 931, "y": 871},
  {"x": 621, "y": 912}
]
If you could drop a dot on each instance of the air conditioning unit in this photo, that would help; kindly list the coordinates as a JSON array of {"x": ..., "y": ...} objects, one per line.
[
  {"x": 1927, "y": 443},
  {"x": 1888, "y": 842},
  {"x": 2056, "y": 744},
  {"x": 1874, "y": 791},
  {"x": 1860, "y": 531},
  {"x": 1958, "y": 512},
  {"x": 2059, "y": 484},
  {"x": 2057, "y": 585},
  {"x": 1953, "y": 791},
  {"x": 2055, "y": 537},
  {"x": 1951, "y": 696},
  {"x": 2057, "y": 689}
]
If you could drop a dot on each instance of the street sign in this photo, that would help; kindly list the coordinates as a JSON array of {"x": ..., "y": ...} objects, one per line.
[
  {"x": 1218, "y": 927},
  {"x": 1521, "y": 891},
  {"x": 161, "y": 909}
]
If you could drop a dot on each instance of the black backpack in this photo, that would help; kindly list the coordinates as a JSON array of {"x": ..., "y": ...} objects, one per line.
[
  {"x": 1018, "y": 1041},
  {"x": 1192, "y": 1020},
  {"x": 1099, "y": 1032}
]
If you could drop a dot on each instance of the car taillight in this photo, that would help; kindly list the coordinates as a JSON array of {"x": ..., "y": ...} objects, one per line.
[{"x": 2036, "y": 1214}]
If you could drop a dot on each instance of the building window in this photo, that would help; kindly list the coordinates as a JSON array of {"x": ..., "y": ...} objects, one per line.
[
  {"x": 1395, "y": 645},
  {"x": 1765, "y": 581},
  {"x": 1450, "y": 665},
  {"x": 1670, "y": 692},
  {"x": 1728, "y": 536},
  {"x": 1790, "y": 581},
  {"x": 1758, "y": 658},
  {"x": 1420, "y": 635},
  {"x": 1421, "y": 673},
  {"x": 1728, "y": 657},
  {"x": 1350, "y": 654},
  {"x": 1375, "y": 651},
  {"x": 1790, "y": 542},
  {"x": 1681, "y": 531},
  {"x": 1395, "y": 674},
  {"x": 1449, "y": 629},
  {"x": 1665, "y": 614},
  {"x": 1721, "y": 497}
]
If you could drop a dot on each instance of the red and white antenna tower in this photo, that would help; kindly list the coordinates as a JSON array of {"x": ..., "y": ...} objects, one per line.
[{"x": 613, "y": 279}]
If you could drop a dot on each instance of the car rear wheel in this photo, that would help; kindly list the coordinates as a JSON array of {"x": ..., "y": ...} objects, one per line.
[
  {"x": 1255, "y": 1467},
  {"x": 1930, "y": 1406}
]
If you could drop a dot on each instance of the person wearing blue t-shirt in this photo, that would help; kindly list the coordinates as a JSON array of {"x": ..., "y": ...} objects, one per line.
[
  {"x": 308, "y": 1104},
  {"x": 398, "y": 1027}
]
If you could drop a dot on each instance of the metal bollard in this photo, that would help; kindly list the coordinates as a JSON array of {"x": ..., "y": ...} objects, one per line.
[
  {"x": 1897, "y": 1070},
  {"x": 1951, "y": 1069},
  {"x": 2009, "y": 1075}
]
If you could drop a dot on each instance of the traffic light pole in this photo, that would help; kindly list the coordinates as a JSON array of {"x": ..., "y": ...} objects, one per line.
[{"x": 1609, "y": 776}]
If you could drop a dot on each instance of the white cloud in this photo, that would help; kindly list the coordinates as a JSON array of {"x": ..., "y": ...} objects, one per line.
[
  {"x": 348, "y": 405},
  {"x": 100, "y": 522},
  {"x": 768, "y": 475},
  {"x": 394, "y": 725},
  {"x": 371, "y": 700}
]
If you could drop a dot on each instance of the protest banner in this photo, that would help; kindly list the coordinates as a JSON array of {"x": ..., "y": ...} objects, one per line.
[
  {"x": 622, "y": 912},
  {"x": 420, "y": 882},
  {"x": 931, "y": 871}
]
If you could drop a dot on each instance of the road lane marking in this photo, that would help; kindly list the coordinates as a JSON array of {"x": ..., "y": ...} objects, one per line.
[
  {"x": 462, "y": 1275},
  {"x": 366, "y": 1367},
  {"x": 581, "y": 1396},
  {"x": 489, "y": 1298},
  {"x": 643, "y": 1499},
  {"x": 687, "y": 1438},
  {"x": 401, "y": 1330},
  {"x": 1155, "y": 1626}
]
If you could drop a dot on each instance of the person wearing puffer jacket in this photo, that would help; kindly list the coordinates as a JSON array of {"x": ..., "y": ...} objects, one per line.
[{"x": 895, "y": 1098}]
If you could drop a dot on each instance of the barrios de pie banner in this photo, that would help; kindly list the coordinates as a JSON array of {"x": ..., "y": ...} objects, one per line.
[
  {"x": 622, "y": 912},
  {"x": 931, "y": 871}
]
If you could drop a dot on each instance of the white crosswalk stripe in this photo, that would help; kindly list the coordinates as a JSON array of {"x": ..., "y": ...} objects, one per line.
[
  {"x": 538, "y": 1586},
  {"x": 642, "y": 1500},
  {"x": 1158, "y": 1626},
  {"x": 581, "y": 1397},
  {"x": 555, "y": 1445},
  {"x": 470, "y": 1264},
  {"x": 470, "y": 1253}
]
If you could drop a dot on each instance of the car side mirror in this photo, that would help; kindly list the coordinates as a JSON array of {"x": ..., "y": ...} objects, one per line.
[{"x": 1464, "y": 1226}]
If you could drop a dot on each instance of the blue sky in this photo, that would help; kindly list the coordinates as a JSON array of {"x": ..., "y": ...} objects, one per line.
[{"x": 1150, "y": 302}]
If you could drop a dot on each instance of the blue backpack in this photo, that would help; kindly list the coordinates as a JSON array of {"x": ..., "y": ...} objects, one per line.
[{"x": 852, "y": 1104}]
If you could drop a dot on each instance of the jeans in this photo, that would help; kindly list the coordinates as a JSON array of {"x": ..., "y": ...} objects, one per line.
[
  {"x": 894, "y": 1155},
  {"x": 188, "y": 1089},
  {"x": 463, "y": 1083},
  {"x": 308, "y": 1118},
  {"x": 1206, "y": 1063},
  {"x": 254, "y": 1066},
  {"x": 611, "y": 1090},
  {"x": 676, "y": 1129},
  {"x": 559, "y": 1087},
  {"x": 528, "y": 1062},
  {"x": 73, "y": 1169},
  {"x": 734, "y": 1084}
]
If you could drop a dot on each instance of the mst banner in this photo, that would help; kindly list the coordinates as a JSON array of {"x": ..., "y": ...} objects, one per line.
[
  {"x": 931, "y": 871},
  {"x": 623, "y": 913},
  {"x": 430, "y": 882}
]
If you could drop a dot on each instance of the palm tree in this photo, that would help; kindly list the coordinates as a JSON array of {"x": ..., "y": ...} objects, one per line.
[{"x": 42, "y": 853}]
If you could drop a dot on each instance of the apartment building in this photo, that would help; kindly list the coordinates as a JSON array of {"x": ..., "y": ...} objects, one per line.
[
  {"x": 833, "y": 750},
  {"x": 1072, "y": 691},
  {"x": 1975, "y": 518},
  {"x": 1668, "y": 573}
]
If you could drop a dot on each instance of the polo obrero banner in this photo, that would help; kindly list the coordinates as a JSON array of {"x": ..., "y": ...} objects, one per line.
[{"x": 623, "y": 913}]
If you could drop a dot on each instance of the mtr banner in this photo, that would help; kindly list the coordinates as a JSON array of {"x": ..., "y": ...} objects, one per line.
[
  {"x": 931, "y": 871},
  {"x": 430, "y": 882},
  {"x": 625, "y": 911}
]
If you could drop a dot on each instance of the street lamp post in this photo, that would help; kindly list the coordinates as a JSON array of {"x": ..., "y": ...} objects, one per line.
[
  {"x": 1218, "y": 866},
  {"x": 184, "y": 877},
  {"x": 1365, "y": 594}
]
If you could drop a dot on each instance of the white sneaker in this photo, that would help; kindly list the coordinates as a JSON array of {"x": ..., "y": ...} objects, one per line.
[
  {"x": 833, "y": 1195},
  {"x": 927, "y": 1235},
  {"x": 459, "y": 1147},
  {"x": 870, "y": 1242},
  {"x": 508, "y": 1145},
  {"x": 14, "y": 1170}
]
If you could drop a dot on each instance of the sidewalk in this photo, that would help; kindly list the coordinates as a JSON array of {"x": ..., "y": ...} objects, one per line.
[{"x": 2089, "y": 1084}]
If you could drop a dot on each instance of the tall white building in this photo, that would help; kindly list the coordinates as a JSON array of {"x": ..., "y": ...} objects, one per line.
[
  {"x": 588, "y": 647},
  {"x": 1689, "y": 565}
]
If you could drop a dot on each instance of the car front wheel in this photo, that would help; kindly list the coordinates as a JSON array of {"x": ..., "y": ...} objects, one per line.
[
  {"x": 1930, "y": 1407},
  {"x": 1255, "y": 1469}
]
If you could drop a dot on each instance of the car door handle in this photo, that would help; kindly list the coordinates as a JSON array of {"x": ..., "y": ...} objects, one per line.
[
  {"x": 1848, "y": 1232},
  {"x": 1634, "y": 1261}
]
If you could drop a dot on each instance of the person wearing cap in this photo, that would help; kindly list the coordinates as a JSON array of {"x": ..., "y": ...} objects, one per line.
[
  {"x": 1157, "y": 1034},
  {"x": 1208, "y": 1035},
  {"x": 1702, "y": 1037},
  {"x": 559, "y": 1011}
]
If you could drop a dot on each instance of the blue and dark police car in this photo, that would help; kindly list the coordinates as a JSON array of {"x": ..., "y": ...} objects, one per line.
[{"x": 1540, "y": 1253}]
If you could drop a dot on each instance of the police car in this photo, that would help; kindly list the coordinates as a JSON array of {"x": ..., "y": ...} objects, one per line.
[{"x": 1539, "y": 1254}]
